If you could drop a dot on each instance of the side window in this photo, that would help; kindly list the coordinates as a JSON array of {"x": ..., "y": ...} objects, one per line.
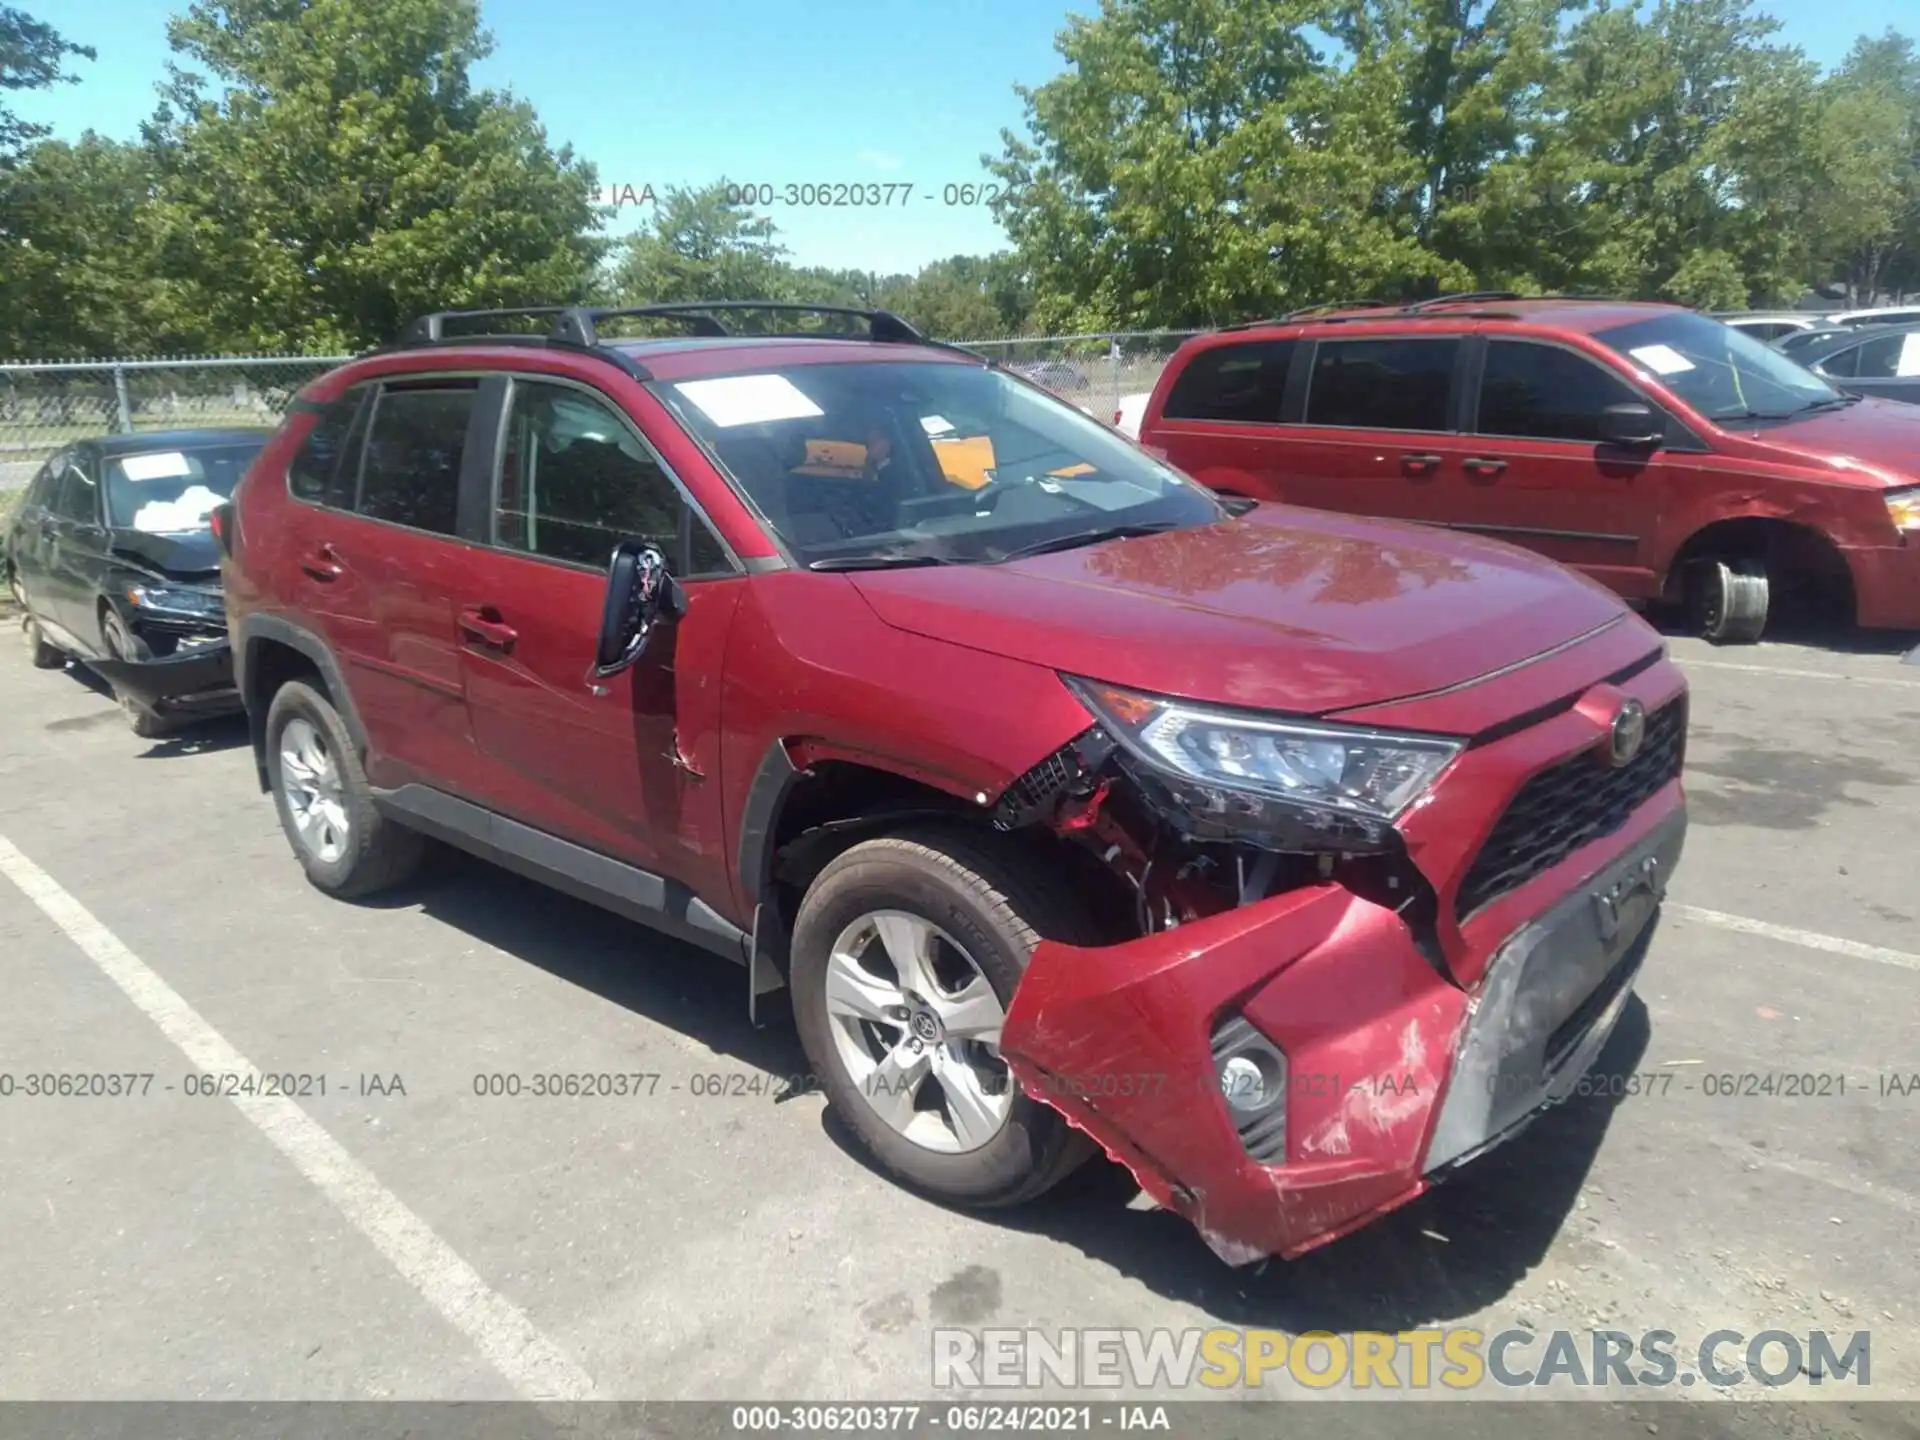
[
  {"x": 40, "y": 488},
  {"x": 76, "y": 496},
  {"x": 1383, "y": 384},
  {"x": 575, "y": 481},
  {"x": 322, "y": 472},
  {"x": 1540, "y": 392},
  {"x": 1241, "y": 383},
  {"x": 416, "y": 437},
  {"x": 1877, "y": 359}
]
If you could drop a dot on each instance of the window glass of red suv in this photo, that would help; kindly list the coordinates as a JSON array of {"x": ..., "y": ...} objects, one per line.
[
  {"x": 1382, "y": 384},
  {"x": 842, "y": 461},
  {"x": 1541, "y": 392},
  {"x": 575, "y": 480},
  {"x": 326, "y": 469},
  {"x": 1718, "y": 371},
  {"x": 416, "y": 436},
  {"x": 1242, "y": 383}
]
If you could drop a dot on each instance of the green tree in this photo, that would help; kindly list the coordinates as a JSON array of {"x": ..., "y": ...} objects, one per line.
[
  {"x": 348, "y": 176},
  {"x": 76, "y": 254},
  {"x": 1869, "y": 162},
  {"x": 33, "y": 56}
]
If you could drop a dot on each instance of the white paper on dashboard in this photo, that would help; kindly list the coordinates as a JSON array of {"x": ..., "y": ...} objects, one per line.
[
  {"x": 1662, "y": 359},
  {"x": 168, "y": 465},
  {"x": 748, "y": 399}
]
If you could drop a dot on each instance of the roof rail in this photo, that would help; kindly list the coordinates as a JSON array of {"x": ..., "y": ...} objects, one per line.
[
  {"x": 428, "y": 329},
  {"x": 1324, "y": 307},
  {"x": 1461, "y": 297}
]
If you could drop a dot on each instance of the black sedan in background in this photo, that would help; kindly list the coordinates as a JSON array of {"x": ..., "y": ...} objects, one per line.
[
  {"x": 113, "y": 557},
  {"x": 1882, "y": 360}
]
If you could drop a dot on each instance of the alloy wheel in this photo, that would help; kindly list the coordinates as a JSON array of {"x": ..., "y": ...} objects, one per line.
[
  {"x": 310, "y": 781},
  {"x": 917, "y": 1024}
]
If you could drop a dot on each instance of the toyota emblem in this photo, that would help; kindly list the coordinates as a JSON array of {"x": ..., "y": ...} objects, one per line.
[{"x": 1628, "y": 732}]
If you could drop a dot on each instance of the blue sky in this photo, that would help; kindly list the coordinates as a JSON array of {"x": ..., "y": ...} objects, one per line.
[{"x": 757, "y": 90}]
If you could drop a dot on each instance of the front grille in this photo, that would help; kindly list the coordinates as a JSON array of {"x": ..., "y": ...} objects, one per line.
[{"x": 1572, "y": 804}]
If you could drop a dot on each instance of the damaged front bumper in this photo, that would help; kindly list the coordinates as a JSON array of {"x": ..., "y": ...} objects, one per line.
[
  {"x": 1394, "y": 1074},
  {"x": 195, "y": 680}
]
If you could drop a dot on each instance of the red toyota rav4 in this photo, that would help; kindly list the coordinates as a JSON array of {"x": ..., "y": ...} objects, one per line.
[
  {"x": 1294, "y": 859},
  {"x": 1663, "y": 453}
]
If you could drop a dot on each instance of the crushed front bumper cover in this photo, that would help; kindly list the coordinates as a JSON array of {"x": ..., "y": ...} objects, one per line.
[
  {"x": 1395, "y": 1075},
  {"x": 196, "y": 680}
]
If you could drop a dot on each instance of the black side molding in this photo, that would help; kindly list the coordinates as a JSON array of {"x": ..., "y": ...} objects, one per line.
[
  {"x": 612, "y": 884},
  {"x": 771, "y": 784},
  {"x": 257, "y": 630}
]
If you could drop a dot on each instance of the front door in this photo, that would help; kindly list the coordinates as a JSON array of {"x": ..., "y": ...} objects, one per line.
[
  {"x": 1535, "y": 473},
  {"x": 627, "y": 766},
  {"x": 73, "y": 550}
]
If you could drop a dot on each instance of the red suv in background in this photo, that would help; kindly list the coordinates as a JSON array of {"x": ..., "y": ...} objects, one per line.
[
  {"x": 1659, "y": 451},
  {"x": 1292, "y": 858}
]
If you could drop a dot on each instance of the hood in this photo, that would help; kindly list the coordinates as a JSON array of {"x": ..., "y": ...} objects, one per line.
[
  {"x": 1883, "y": 434},
  {"x": 178, "y": 554},
  {"x": 1284, "y": 609}
]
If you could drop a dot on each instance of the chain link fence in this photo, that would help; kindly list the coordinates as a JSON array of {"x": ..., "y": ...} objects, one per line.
[
  {"x": 1094, "y": 372},
  {"x": 45, "y": 405}
]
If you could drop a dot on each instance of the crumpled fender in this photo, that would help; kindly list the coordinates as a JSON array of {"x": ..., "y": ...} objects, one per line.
[
  {"x": 199, "y": 670},
  {"x": 1118, "y": 1040}
]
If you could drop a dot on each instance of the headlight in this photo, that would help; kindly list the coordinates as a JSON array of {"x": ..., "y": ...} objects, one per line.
[
  {"x": 1904, "y": 508},
  {"x": 177, "y": 600},
  {"x": 1367, "y": 774}
]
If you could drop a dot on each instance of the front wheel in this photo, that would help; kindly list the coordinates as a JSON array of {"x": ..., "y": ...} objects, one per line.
[
  {"x": 1727, "y": 600},
  {"x": 906, "y": 953},
  {"x": 122, "y": 644}
]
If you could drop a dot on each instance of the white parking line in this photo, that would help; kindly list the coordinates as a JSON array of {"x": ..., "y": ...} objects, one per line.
[
  {"x": 533, "y": 1364},
  {"x": 1811, "y": 939},
  {"x": 1686, "y": 662}
]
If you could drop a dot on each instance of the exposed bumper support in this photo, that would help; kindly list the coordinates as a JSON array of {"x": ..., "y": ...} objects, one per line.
[
  {"x": 1394, "y": 1073},
  {"x": 198, "y": 680}
]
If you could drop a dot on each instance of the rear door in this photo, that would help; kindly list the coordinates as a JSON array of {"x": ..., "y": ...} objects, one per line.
[
  {"x": 74, "y": 547},
  {"x": 1378, "y": 431},
  {"x": 1536, "y": 474},
  {"x": 627, "y": 766},
  {"x": 379, "y": 557},
  {"x": 25, "y": 537}
]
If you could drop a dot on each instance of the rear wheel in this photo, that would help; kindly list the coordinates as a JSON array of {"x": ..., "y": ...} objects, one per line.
[
  {"x": 906, "y": 953},
  {"x": 347, "y": 847},
  {"x": 122, "y": 644},
  {"x": 43, "y": 655},
  {"x": 1727, "y": 600}
]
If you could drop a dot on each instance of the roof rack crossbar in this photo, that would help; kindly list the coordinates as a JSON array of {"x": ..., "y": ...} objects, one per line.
[
  {"x": 433, "y": 327},
  {"x": 579, "y": 324}
]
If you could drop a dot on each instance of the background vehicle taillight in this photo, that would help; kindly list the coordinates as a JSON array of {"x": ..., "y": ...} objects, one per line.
[{"x": 222, "y": 522}]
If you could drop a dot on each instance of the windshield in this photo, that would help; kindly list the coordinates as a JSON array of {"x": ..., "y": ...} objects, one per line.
[
  {"x": 174, "y": 490},
  {"x": 911, "y": 462},
  {"x": 1720, "y": 372}
]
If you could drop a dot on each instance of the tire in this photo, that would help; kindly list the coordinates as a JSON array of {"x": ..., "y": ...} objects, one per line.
[
  {"x": 43, "y": 655},
  {"x": 346, "y": 846},
  {"x": 985, "y": 913},
  {"x": 122, "y": 644},
  {"x": 1727, "y": 600}
]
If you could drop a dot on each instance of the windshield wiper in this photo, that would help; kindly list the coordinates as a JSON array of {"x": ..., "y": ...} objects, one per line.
[
  {"x": 1090, "y": 537},
  {"x": 895, "y": 560},
  {"x": 1829, "y": 403}
]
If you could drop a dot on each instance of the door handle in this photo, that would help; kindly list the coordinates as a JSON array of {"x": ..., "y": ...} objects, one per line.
[
  {"x": 324, "y": 564},
  {"x": 1486, "y": 466},
  {"x": 1419, "y": 464},
  {"x": 483, "y": 623}
]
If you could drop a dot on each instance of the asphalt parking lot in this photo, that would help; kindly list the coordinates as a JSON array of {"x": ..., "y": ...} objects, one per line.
[{"x": 402, "y": 1237}]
